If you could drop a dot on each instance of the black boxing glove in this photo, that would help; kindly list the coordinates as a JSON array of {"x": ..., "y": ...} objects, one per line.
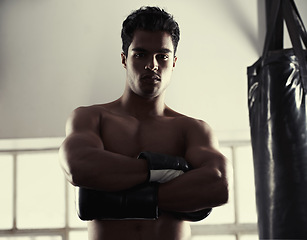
[
  {"x": 136, "y": 203},
  {"x": 193, "y": 216},
  {"x": 163, "y": 168}
]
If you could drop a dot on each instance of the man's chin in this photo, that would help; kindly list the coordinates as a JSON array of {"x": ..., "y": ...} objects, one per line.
[{"x": 149, "y": 92}]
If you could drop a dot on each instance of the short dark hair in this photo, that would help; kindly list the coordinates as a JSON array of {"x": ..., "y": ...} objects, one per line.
[{"x": 149, "y": 19}]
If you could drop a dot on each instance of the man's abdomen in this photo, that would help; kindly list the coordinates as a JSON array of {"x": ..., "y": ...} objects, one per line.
[{"x": 166, "y": 227}]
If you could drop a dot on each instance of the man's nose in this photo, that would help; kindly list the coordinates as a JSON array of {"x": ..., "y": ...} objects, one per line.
[{"x": 152, "y": 64}]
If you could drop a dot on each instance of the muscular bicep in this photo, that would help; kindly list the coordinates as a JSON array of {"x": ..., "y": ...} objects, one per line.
[
  {"x": 82, "y": 130},
  {"x": 202, "y": 147},
  {"x": 84, "y": 121},
  {"x": 82, "y": 137},
  {"x": 209, "y": 163},
  {"x": 78, "y": 142}
]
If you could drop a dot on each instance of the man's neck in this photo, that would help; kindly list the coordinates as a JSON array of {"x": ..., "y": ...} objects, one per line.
[{"x": 141, "y": 107}]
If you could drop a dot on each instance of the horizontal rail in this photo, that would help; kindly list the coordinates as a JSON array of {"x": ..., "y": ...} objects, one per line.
[
  {"x": 224, "y": 229},
  {"x": 40, "y": 232},
  {"x": 223, "y": 143}
]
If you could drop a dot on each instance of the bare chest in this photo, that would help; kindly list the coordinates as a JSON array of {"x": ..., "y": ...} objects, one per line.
[{"x": 131, "y": 136}]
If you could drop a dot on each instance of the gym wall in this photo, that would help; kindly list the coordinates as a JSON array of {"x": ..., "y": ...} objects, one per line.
[{"x": 57, "y": 55}]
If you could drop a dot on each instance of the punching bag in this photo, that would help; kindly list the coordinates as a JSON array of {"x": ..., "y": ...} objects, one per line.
[{"x": 277, "y": 85}]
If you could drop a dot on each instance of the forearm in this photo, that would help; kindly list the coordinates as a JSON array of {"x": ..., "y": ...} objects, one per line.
[
  {"x": 96, "y": 168},
  {"x": 198, "y": 189},
  {"x": 111, "y": 172}
]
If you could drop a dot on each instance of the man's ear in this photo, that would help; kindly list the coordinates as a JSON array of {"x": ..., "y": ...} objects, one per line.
[
  {"x": 174, "y": 62},
  {"x": 124, "y": 60}
]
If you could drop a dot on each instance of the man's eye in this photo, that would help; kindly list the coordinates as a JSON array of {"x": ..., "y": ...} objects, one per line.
[
  {"x": 139, "y": 55},
  {"x": 163, "y": 56}
]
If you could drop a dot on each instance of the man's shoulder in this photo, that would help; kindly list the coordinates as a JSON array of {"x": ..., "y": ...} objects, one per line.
[
  {"x": 93, "y": 110},
  {"x": 86, "y": 117},
  {"x": 195, "y": 124},
  {"x": 199, "y": 131},
  {"x": 192, "y": 126},
  {"x": 189, "y": 121}
]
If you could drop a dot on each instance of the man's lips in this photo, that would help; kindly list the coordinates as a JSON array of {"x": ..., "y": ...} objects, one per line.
[{"x": 154, "y": 77}]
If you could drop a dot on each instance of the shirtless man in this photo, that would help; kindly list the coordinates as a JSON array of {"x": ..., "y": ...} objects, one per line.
[{"x": 103, "y": 141}]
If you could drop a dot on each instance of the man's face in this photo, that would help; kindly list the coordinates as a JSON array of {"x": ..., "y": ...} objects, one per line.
[{"x": 150, "y": 63}]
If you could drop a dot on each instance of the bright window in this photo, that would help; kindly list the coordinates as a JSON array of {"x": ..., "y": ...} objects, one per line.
[
  {"x": 6, "y": 196},
  {"x": 40, "y": 191},
  {"x": 216, "y": 237},
  {"x": 246, "y": 192},
  {"x": 32, "y": 238}
]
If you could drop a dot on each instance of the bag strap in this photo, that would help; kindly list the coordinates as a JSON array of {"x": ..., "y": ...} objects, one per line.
[
  {"x": 277, "y": 40},
  {"x": 299, "y": 23},
  {"x": 275, "y": 13},
  {"x": 296, "y": 32},
  {"x": 271, "y": 25}
]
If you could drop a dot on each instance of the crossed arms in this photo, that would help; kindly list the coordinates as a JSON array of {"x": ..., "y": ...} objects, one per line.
[{"x": 87, "y": 164}]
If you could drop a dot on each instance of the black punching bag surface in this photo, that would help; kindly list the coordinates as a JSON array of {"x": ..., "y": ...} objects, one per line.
[{"x": 277, "y": 109}]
